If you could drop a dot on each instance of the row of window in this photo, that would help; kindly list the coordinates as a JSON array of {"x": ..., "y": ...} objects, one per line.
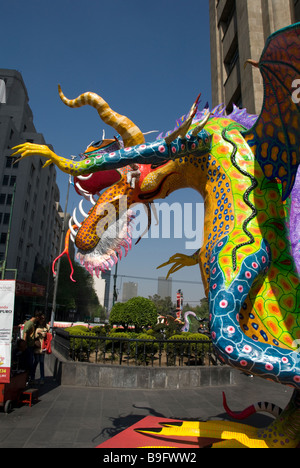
[
  {"x": 10, "y": 162},
  {"x": 9, "y": 180},
  {"x": 4, "y": 218},
  {"x": 5, "y": 199}
]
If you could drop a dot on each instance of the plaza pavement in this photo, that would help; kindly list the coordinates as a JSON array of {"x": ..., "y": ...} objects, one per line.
[{"x": 81, "y": 417}]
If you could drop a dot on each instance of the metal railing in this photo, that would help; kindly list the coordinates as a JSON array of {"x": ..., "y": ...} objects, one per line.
[{"x": 133, "y": 351}]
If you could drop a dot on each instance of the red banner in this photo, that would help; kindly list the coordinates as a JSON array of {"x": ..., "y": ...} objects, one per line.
[
  {"x": 4, "y": 374},
  {"x": 29, "y": 289},
  {"x": 7, "y": 299}
]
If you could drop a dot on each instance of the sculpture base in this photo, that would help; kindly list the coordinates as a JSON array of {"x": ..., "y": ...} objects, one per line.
[{"x": 155, "y": 432}]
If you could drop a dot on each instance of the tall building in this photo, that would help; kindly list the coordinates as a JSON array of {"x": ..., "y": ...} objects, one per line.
[
  {"x": 29, "y": 195},
  {"x": 238, "y": 31},
  {"x": 130, "y": 290},
  {"x": 102, "y": 286},
  {"x": 164, "y": 287}
]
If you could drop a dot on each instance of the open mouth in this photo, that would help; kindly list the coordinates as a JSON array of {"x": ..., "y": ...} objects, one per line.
[
  {"x": 114, "y": 237},
  {"x": 115, "y": 242}
]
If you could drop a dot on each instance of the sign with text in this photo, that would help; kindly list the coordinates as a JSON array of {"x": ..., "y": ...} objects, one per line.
[{"x": 7, "y": 301}]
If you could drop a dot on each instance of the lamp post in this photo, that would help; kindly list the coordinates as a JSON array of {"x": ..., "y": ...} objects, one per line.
[
  {"x": 62, "y": 237},
  {"x": 115, "y": 291}
]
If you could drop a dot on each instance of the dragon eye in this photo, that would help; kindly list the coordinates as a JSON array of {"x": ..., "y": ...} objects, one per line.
[{"x": 97, "y": 143}]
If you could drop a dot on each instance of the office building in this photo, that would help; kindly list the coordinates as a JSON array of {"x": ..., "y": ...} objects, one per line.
[
  {"x": 238, "y": 32},
  {"x": 164, "y": 287},
  {"x": 102, "y": 287},
  {"x": 130, "y": 290},
  {"x": 29, "y": 195}
]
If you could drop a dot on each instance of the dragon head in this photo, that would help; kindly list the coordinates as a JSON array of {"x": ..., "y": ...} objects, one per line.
[
  {"x": 106, "y": 228},
  {"x": 105, "y": 232}
]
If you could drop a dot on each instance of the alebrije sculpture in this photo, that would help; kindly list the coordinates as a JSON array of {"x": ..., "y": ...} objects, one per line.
[{"x": 246, "y": 171}]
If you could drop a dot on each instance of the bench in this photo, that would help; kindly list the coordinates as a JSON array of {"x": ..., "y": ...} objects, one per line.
[{"x": 29, "y": 395}]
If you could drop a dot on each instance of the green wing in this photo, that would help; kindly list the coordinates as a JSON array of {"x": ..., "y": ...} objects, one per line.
[{"x": 276, "y": 133}]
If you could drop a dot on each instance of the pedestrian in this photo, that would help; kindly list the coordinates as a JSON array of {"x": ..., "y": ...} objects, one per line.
[
  {"x": 29, "y": 337},
  {"x": 21, "y": 356},
  {"x": 42, "y": 328}
]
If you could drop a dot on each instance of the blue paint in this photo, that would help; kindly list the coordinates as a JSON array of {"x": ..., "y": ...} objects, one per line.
[{"x": 235, "y": 348}]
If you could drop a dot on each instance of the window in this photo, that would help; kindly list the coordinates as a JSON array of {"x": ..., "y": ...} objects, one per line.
[
  {"x": 6, "y": 218},
  {"x": 9, "y": 161},
  {"x": 13, "y": 179},
  {"x": 2, "y": 198},
  {"x": 3, "y": 237},
  {"x": 9, "y": 199},
  {"x": 15, "y": 164},
  {"x": 232, "y": 56},
  {"x": 227, "y": 14},
  {"x": 5, "y": 180}
]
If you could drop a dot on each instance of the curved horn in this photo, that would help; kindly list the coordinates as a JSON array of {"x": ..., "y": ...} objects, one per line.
[
  {"x": 129, "y": 132},
  {"x": 201, "y": 124}
]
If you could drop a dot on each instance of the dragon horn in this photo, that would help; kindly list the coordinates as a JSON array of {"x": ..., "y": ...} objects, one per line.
[
  {"x": 254, "y": 63},
  {"x": 183, "y": 129},
  {"x": 201, "y": 125},
  {"x": 129, "y": 132}
]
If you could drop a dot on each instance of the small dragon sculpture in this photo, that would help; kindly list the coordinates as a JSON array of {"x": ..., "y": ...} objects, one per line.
[{"x": 245, "y": 168}]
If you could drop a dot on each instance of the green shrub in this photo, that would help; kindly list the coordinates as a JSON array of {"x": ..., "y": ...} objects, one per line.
[
  {"x": 99, "y": 331},
  {"x": 81, "y": 348},
  {"x": 142, "y": 352},
  {"x": 182, "y": 350},
  {"x": 145, "y": 351}
]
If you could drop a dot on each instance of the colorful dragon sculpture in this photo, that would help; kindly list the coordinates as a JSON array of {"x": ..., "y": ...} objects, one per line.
[{"x": 245, "y": 169}]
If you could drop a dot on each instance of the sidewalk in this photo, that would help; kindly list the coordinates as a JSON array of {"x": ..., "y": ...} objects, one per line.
[{"x": 77, "y": 417}]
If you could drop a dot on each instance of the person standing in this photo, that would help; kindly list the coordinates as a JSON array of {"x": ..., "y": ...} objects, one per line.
[
  {"x": 39, "y": 349},
  {"x": 29, "y": 337}
]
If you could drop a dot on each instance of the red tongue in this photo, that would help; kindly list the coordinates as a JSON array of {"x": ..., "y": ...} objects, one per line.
[
  {"x": 97, "y": 182},
  {"x": 100, "y": 180}
]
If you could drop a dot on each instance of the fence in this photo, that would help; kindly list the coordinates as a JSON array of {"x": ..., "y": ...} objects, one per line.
[{"x": 132, "y": 351}]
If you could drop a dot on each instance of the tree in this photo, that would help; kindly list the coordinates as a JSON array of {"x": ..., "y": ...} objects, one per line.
[
  {"x": 201, "y": 310},
  {"x": 138, "y": 311},
  {"x": 80, "y": 295},
  {"x": 163, "y": 306},
  {"x": 142, "y": 311},
  {"x": 118, "y": 316}
]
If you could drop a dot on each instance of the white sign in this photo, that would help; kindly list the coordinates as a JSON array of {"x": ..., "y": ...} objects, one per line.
[{"x": 7, "y": 301}]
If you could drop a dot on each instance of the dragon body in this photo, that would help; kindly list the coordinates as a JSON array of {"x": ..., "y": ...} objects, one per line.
[{"x": 245, "y": 169}]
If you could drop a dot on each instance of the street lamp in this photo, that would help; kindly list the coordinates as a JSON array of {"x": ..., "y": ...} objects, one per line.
[{"x": 62, "y": 237}]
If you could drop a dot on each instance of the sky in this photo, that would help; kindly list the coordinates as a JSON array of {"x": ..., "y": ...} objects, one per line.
[{"x": 148, "y": 60}]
